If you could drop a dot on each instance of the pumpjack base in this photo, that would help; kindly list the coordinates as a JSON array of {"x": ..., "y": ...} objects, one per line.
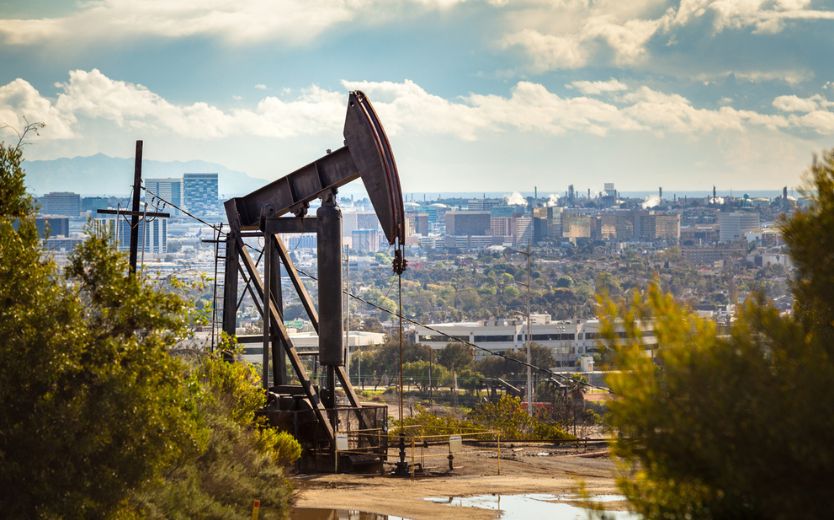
[{"x": 289, "y": 409}]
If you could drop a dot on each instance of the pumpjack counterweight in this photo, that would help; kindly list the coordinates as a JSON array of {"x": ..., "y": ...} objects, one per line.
[{"x": 314, "y": 414}]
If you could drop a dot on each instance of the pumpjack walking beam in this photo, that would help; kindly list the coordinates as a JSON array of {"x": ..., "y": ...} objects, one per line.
[{"x": 367, "y": 155}]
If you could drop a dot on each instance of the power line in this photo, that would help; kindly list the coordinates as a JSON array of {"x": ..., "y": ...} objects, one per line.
[
  {"x": 549, "y": 372},
  {"x": 198, "y": 219}
]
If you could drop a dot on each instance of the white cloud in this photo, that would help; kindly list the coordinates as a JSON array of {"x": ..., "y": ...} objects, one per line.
[
  {"x": 246, "y": 22},
  {"x": 671, "y": 112},
  {"x": 594, "y": 88},
  {"x": 548, "y": 51},
  {"x": 572, "y": 34},
  {"x": 91, "y": 105},
  {"x": 790, "y": 77},
  {"x": 812, "y": 113},
  {"x": 407, "y": 105},
  {"x": 797, "y": 104},
  {"x": 21, "y": 103},
  {"x": 260, "y": 86},
  {"x": 90, "y": 96}
]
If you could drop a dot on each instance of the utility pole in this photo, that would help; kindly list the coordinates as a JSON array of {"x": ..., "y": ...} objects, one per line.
[
  {"x": 134, "y": 208},
  {"x": 529, "y": 336},
  {"x": 134, "y": 213}
]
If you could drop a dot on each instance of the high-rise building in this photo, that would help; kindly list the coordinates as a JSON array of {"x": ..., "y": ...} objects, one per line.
[
  {"x": 617, "y": 225},
  {"x": 61, "y": 203},
  {"x": 523, "y": 231},
  {"x": 365, "y": 240},
  {"x": 554, "y": 223},
  {"x": 92, "y": 204},
  {"x": 199, "y": 193},
  {"x": 667, "y": 226},
  {"x": 483, "y": 204},
  {"x": 168, "y": 189},
  {"x": 153, "y": 233},
  {"x": 52, "y": 226},
  {"x": 733, "y": 226},
  {"x": 419, "y": 223},
  {"x": 576, "y": 225},
  {"x": 501, "y": 226},
  {"x": 468, "y": 223}
]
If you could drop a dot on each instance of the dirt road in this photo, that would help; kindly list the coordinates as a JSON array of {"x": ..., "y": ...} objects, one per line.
[{"x": 523, "y": 470}]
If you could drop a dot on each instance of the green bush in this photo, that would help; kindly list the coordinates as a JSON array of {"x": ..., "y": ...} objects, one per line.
[
  {"x": 734, "y": 424},
  {"x": 99, "y": 419}
]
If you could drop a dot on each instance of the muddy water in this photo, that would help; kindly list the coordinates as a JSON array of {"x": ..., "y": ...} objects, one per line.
[
  {"x": 537, "y": 505},
  {"x": 311, "y": 513},
  {"x": 509, "y": 507}
]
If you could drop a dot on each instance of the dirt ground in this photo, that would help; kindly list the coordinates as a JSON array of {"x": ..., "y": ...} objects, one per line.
[{"x": 524, "y": 469}]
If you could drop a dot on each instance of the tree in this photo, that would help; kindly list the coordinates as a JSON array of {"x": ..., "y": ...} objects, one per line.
[
  {"x": 736, "y": 425},
  {"x": 455, "y": 357},
  {"x": 99, "y": 419},
  {"x": 93, "y": 404}
]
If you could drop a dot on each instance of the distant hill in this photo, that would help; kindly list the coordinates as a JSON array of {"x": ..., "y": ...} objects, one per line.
[{"x": 104, "y": 175}]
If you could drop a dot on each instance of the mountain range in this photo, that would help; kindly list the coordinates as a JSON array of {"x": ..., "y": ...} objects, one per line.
[{"x": 105, "y": 175}]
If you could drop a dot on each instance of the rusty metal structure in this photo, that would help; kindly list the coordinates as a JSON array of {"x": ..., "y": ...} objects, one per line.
[{"x": 313, "y": 413}]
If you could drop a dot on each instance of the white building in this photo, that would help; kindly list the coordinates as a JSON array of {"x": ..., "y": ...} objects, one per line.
[
  {"x": 307, "y": 343},
  {"x": 569, "y": 339}
]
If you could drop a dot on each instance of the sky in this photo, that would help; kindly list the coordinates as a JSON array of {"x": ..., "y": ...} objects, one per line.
[{"x": 476, "y": 95}]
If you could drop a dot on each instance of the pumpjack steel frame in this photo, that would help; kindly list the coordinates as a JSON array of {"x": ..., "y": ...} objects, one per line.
[{"x": 266, "y": 213}]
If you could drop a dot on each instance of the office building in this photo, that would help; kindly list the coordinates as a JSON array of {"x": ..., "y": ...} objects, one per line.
[
  {"x": 199, "y": 193},
  {"x": 501, "y": 226},
  {"x": 365, "y": 240},
  {"x": 483, "y": 204},
  {"x": 523, "y": 231},
  {"x": 93, "y": 204},
  {"x": 61, "y": 203},
  {"x": 168, "y": 189},
  {"x": 733, "y": 226},
  {"x": 576, "y": 225},
  {"x": 420, "y": 223},
  {"x": 467, "y": 223},
  {"x": 153, "y": 233},
  {"x": 52, "y": 226},
  {"x": 617, "y": 225},
  {"x": 667, "y": 226}
]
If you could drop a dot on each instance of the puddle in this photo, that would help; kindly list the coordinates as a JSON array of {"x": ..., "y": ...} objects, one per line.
[
  {"x": 539, "y": 505},
  {"x": 314, "y": 513}
]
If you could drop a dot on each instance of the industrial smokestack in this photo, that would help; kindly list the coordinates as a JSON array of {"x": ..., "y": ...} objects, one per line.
[{"x": 660, "y": 193}]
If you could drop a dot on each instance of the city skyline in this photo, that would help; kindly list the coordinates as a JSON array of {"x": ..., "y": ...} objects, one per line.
[{"x": 488, "y": 94}]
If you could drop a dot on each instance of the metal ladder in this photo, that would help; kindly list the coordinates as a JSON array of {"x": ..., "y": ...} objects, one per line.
[{"x": 217, "y": 291}]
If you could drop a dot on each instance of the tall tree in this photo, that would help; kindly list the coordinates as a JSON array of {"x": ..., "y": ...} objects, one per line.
[
  {"x": 93, "y": 404},
  {"x": 737, "y": 425},
  {"x": 98, "y": 418}
]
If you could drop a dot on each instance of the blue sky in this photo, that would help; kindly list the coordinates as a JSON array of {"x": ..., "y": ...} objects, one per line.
[{"x": 483, "y": 95}]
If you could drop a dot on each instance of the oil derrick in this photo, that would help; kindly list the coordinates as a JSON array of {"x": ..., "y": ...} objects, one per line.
[{"x": 311, "y": 413}]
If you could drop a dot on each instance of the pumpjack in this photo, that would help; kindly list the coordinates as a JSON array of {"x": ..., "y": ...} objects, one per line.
[{"x": 315, "y": 414}]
